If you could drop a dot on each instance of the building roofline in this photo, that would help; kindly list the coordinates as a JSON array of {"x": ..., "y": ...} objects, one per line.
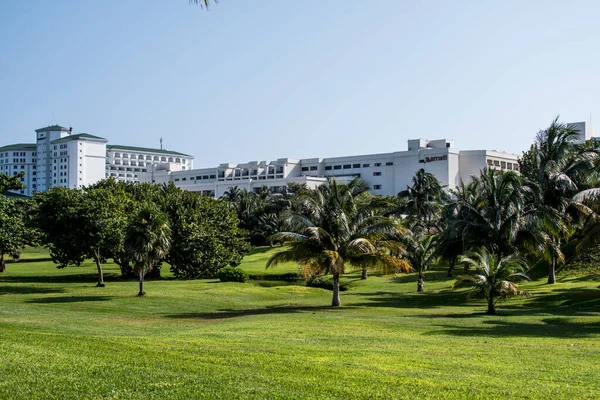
[
  {"x": 18, "y": 146},
  {"x": 52, "y": 128},
  {"x": 113, "y": 147},
  {"x": 80, "y": 136}
]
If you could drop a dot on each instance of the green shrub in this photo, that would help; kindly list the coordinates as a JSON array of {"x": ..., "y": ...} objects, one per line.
[
  {"x": 325, "y": 282},
  {"x": 230, "y": 274}
]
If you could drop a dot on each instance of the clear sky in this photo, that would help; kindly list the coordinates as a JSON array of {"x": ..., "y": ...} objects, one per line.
[{"x": 263, "y": 79}]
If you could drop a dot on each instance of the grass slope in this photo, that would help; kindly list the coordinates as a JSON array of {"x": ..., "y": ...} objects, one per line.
[{"x": 63, "y": 338}]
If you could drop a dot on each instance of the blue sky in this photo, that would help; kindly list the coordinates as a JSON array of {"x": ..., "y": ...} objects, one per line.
[{"x": 263, "y": 79}]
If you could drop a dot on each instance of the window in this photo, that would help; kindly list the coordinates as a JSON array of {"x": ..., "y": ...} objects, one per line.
[
  {"x": 304, "y": 169},
  {"x": 328, "y": 168},
  {"x": 176, "y": 179},
  {"x": 184, "y": 179},
  {"x": 448, "y": 145},
  {"x": 355, "y": 165},
  {"x": 377, "y": 187},
  {"x": 314, "y": 168},
  {"x": 347, "y": 166},
  {"x": 376, "y": 173},
  {"x": 213, "y": 177},
  {"x": 389, "y": 163},
  {"x": 377, "y": 164},
  {"x": 337, "y": 167}
]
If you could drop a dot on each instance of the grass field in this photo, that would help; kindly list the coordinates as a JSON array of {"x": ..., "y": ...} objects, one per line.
[{"x": 64, "y": 338}]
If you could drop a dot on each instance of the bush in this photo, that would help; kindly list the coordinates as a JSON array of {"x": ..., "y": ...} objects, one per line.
[
  {"x": 231, "y": 274},
  {"x": 325, "y": 283}
]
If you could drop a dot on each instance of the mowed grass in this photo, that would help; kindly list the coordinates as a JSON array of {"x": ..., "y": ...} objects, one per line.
[{"x": 63, "y": 338}]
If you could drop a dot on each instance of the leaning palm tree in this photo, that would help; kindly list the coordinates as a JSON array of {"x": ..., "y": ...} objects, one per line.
[
  {"x": 332, "y": 229},
  {"x": 147, "y": 240},
  {"x": 494, "y": 279},
  {"x": 204, "y": 3}
]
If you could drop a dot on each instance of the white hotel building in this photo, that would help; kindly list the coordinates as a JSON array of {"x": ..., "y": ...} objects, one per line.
[
  {"x": 60, "y": 158},
  {"x": 386, "y": 173}
]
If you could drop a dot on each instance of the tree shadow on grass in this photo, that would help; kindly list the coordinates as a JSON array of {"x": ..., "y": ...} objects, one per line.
[
  {"x": 430, "y": 276},
  {"x": 69, "y": 299},
  {"x": 439, "y": 299},
  {"x": 76, "y": 278},
  {"x": 29, "y": 260},
  {"x": 27, "y": 290},
  {"x": 230, "y": 313},
  {"x": 550, "y": 327}
]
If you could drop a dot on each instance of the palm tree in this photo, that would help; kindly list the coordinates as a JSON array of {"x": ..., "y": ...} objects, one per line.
[
  {"x": 494, "y": 279},
  {"x": 147, "y": 240},
  {"x": 420, "y": 253},
  {"x": 422, "y": 201},
  {"x": 332, "y": 229},
  {"x": 232, "y": 195},
  {"x": 491, "y": 211},
  {"x": 203, "y": 3},
  {"x": 558, "y": 167}
]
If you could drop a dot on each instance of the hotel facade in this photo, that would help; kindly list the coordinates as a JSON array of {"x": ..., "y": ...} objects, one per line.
[
  {"x": 60, "y": 158},
  {"x": 386, "y": 173}
]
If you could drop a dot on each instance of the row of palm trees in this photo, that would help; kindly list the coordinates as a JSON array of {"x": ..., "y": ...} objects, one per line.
[{"x": 504, "y": 219}]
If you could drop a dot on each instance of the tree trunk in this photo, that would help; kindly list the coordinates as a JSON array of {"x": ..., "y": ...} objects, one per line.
[
  {"x": 450, "y": 268},
  {"x": 141, "y": 274},
  {"x": 336, "y": 291},
  {"x": 364, "y": 274},
  {"x": 491, "y": 307},
  {"x": 2, "y": 264},
  {"x": 420, "y": 283},
  {"x": 552, "y": 271},
  {"x": 99, "y": 266}
]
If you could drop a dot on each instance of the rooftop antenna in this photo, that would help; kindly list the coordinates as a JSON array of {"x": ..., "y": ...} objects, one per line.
[{"x": 161, "y": 141}]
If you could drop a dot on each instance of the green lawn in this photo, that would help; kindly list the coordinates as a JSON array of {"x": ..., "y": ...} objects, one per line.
[{"x": 64, "y": 338}]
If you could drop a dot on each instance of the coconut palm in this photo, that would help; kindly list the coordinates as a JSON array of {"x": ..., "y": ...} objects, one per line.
[
  {"x": 494, "y": 279},
  {"x": 420, "y": 253},
  {"x": 333, "y": 229},
  {"x": 422, "y": 201},
  {"x": 558, "y": 167},
  {"x": 147, "y": 240},
  {"x": 204, "y": 3},
  {"x": 492, "y": 211}
]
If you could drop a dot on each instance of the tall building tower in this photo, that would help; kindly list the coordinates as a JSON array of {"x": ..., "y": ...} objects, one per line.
[{"x": 44, "y": 137}]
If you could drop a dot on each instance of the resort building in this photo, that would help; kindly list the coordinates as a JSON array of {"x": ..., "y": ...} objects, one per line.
[
  {"x": 386, "y": 173},
  {"x": 61, "y": 158}
]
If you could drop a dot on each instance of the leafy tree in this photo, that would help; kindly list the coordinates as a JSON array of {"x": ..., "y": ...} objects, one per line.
[
  {"x": 494, "y": 278},
  {"x": 147, "y": 240},
  {"x": 332, "y": 230},
  {"x": 8, "y": 182},
  {"x": 420, "y": 253},
  {"x": 13, "y": 231},
  {"x": 78, "y": 224},
  {"x": 205, "y": 235}
]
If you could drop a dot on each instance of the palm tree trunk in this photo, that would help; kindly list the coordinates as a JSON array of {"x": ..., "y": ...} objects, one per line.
[
  {"x": 552, "y": 271},
  {"x": 2, "y": 263},
  {"x": 450, "y": 268},
  {"x": 99, "y": 267},
  {"x": 335, "y": 302},
  {"x": 420, "y": 283},
  {"x": 142, "y": 273},
  {"x": 364, "y": 274},
  {"x": 491, "y": 307}
]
